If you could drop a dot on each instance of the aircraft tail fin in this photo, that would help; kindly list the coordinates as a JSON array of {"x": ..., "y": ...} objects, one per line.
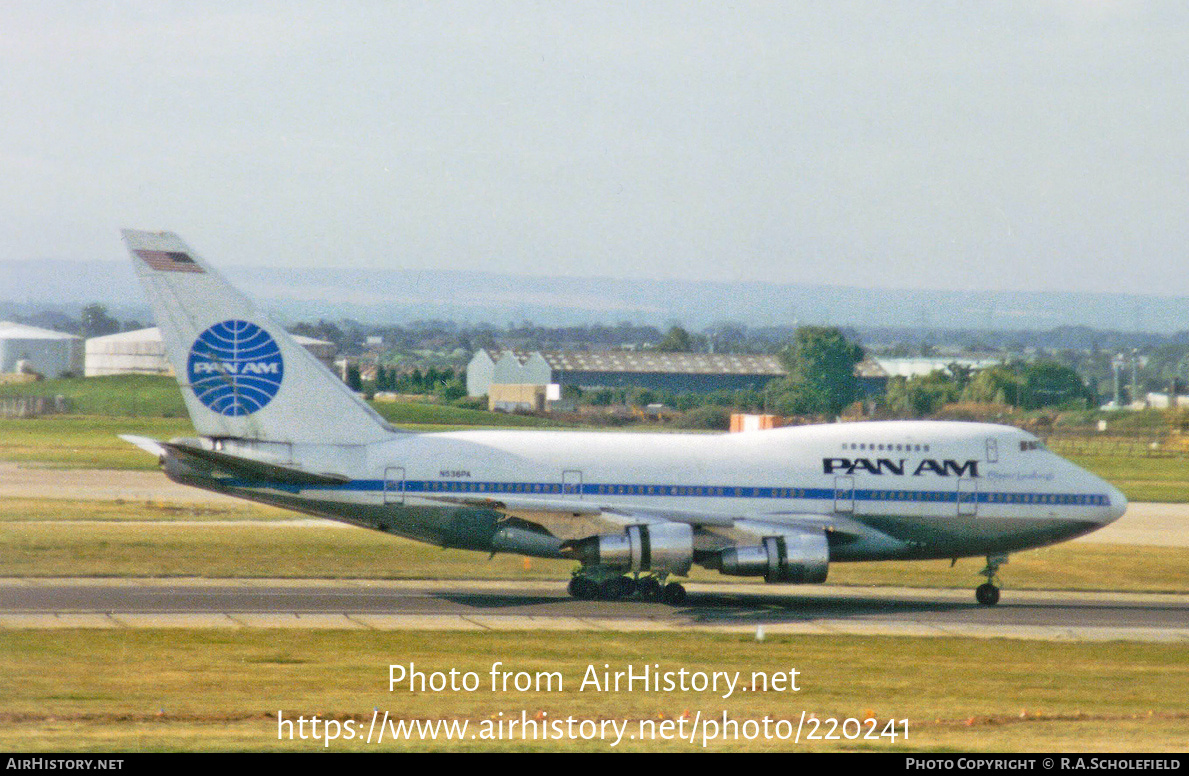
[{"x": 242, "y": 375}]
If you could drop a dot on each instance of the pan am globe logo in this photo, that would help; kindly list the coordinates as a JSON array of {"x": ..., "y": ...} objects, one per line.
[{"x": 235, "y": 368}]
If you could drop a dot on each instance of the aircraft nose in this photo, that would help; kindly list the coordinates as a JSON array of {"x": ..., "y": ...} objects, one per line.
[{"x": 1118, "y": 503}]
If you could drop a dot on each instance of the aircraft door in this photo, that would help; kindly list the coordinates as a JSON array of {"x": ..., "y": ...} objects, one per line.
[
  {"x": 394, "y": 485},
  {"x": 992, "y": 450},
  {"x": 571, "y": 483},
  {"x": 844, "y": 494},
  {"x": 967, "y": 497}
]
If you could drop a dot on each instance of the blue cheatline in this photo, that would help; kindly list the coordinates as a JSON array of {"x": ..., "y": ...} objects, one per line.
[
  {"x": 494, "y": 489},
  {"x": 235, "y": 368}
]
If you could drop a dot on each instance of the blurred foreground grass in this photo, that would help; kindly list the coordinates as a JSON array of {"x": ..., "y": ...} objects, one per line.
[{"x": 214, "y": 690}]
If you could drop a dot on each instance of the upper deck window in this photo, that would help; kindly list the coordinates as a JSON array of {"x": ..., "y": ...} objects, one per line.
[{"x": 888, "y": 447}]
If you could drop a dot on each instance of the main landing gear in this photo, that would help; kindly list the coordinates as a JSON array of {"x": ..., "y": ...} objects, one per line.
[
  {"x": 618, "y": 587},
  {"x": 987, "y": 593}
]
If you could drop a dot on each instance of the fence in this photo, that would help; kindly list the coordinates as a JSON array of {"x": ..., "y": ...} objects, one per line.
[
  {"x": 33, "y": 406},
  {"x": 1153, "y": 445}
]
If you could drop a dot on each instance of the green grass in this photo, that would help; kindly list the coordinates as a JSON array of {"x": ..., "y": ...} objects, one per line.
[
  {"x": 99, "y": 549},
  {"x": 1142, "y": 479},
  {"x": 149, "y": 405},
  {"x": 158, "y": 396},
  {"x": 131, "y": 690},
  {"x": 247, "y": 551},
  {"x": 416, "y": 414},
  {"x": 1071, "y": 566},
  {"x": 85, "y": 441},
  {"x": 115, "y": 396}
]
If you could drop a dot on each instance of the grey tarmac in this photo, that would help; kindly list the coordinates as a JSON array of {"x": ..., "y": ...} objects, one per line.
[
  {"x": 28, "y": 481},
  {"x": 484, "y": 605}
]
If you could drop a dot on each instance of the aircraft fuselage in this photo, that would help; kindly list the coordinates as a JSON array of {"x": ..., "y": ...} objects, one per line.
[{"x": 882, "y": 490}]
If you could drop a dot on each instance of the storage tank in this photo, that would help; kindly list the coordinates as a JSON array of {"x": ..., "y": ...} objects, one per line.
[{"x": 46, "y": 352}]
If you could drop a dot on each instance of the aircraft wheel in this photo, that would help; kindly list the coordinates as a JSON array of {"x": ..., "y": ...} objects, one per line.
[
  {"x": 583, "y": 589},
  {"x": 649, "y": 589},
  {"x": 616, "y": 588},
  {"x": 673, "y": 594},
  {"x": 987, "y": 594}
]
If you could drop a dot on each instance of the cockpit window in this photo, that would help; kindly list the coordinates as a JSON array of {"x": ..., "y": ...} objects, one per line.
[{"x": 1031, "y": 444}]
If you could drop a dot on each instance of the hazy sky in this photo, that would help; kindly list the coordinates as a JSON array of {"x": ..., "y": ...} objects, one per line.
[{"x": 1030, "y": 145}]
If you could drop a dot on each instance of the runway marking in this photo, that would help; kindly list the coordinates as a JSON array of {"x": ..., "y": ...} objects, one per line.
[
  {"x": 734, "y": 592},
  {"x": 715, "y": 608},
  {"x": 255, "y": 621}
]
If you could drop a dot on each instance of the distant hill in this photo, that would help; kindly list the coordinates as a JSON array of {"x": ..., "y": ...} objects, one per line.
[{"x": 400, "y": 296}]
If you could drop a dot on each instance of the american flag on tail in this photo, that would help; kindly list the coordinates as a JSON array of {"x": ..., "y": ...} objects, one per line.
[{"x": 169, "y": 261}]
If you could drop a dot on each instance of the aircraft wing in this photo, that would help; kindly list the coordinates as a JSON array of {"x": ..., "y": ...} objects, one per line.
[
  {"x": 634, "y": 536},
  {"x": 557, "y": 516},
  {"x": 613, "y": 514},
  {"x": 507, "y": 504}
]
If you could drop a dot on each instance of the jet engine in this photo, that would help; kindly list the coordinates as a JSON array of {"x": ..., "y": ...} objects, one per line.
[
  {"x": 667, "y": 547},
  {"x": 509, "y": 538},
  {"x": 798, "y": 557}
]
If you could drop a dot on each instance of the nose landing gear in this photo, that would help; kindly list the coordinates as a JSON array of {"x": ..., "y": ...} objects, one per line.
[{"x": 987, "y": 593}]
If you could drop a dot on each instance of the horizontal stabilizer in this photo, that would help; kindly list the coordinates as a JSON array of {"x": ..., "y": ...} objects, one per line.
[
  {"x": 255, "y": 470},
  {"x": 235, "y": 465},
  {"x": 150, "y": 446}
]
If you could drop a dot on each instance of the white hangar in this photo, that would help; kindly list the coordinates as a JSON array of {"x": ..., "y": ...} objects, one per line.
[{"x": 46, "y": 352}]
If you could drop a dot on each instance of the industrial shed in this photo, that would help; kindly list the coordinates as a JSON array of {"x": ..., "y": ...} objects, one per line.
[
  {"x": 131, "y": 352},
  {"x": 143, "y": 352},
  {"x": 48, "y": 353},
  {"x": 680, "y": 372},
  {"x": 683, "y": 372}
]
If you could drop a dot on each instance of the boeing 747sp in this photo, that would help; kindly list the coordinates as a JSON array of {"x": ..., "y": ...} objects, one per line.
[{"x": 633, "y": 510}]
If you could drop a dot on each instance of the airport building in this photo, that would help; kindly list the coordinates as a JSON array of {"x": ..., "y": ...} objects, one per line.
[
  {"x": 682, "y": 372},
  {"x": 143, "y": 352},
  {"x": 45, "y": 352},
  {"x": 679, "y": 372}
]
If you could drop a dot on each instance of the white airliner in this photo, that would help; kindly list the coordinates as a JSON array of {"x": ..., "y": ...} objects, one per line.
[{"x": 277, "y": 427}]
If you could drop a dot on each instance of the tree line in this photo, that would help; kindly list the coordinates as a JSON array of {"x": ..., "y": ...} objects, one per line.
[{"x": 822, "y": 382}]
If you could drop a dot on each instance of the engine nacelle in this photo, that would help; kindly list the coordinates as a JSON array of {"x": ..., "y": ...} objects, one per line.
[
  {"x": 520, "y": 541},
  {"x": 658, "y": 547},
  {"x": 798, "y": 557}
]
